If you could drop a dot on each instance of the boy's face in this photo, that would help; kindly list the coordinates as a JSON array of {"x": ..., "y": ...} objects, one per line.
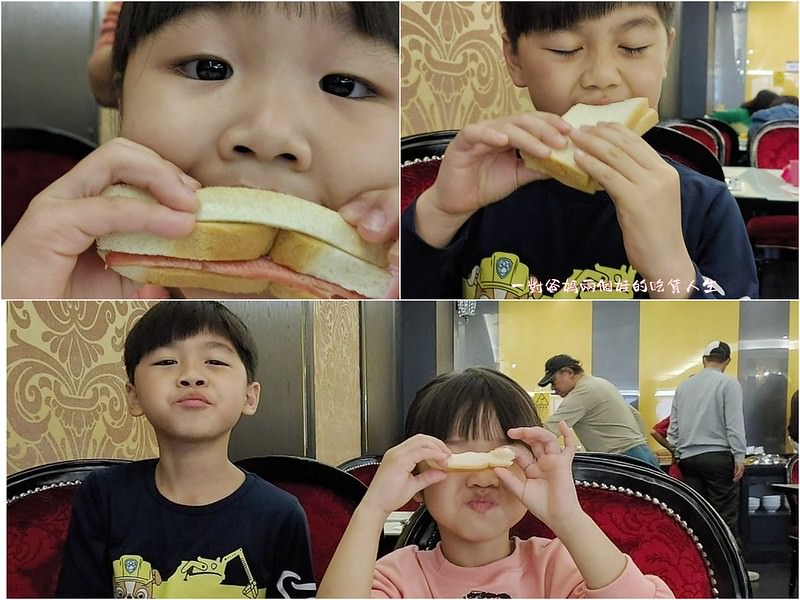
[
  {"x": 615, "y": 57},
  {"x": 473, "y": 507},
  {"x": 260, "y": 99},
  {"x": 194, "y": 389}
]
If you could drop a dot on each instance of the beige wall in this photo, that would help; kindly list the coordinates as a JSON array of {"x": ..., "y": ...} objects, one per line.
[
  {"x": 66, "y": 384},
  {"x": 452, "y": 67}
]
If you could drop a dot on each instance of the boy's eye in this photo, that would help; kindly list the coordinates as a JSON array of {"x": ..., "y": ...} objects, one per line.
[
  {"x": 215, "y": 362},
  {"x": 564, "y": 52},
  {"x": 165, "y": 362},
  {"x": 638, "y": 50},
  {"x": 345, "y": 86},
  {"x": 206, "y": 69}
]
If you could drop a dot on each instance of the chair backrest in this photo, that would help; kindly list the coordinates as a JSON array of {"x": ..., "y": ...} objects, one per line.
[
  {"x": 685, "y": 150},
  {"x": 33, "y": 158},
  {"x": 39, "y": 505},
  {"x": 327, "y": 494},
  {"x": 729, "y": 135},
  {"x": 775, "y": 231},
  {"x": 791, "y": 469},
  {"x": 666, "y": 528},
  {"x": 420, "y": 157},
  {"x": 710, "y": 139},
  {"x": 364, "y": 467},
  {"x": 774, "y": 145}
]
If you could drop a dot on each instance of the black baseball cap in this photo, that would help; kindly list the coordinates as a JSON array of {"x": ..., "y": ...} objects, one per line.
[
  {"x": 554, "y": 365},
  {"x": 718, "y": 350}
]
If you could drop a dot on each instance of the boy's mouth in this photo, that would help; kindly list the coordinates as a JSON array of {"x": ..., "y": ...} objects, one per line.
[{"x": 193, "y": 401}]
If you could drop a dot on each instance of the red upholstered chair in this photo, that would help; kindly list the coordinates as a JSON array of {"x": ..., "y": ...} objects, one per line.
[
  {"x": 730, "y": 137},
  {"x": 420, "y": 157},
  {"x": 33, "y": 158},
  {"x": 363, "y": 468},
  {"x": 710, "y": 138},
  {"x": 667, "y": 528},
  {"x": 39, "y": 504},
  {"x": 685, "y": 150},
  {"x": 327, "y": 494},
  {"x": 774, "y": 145}
]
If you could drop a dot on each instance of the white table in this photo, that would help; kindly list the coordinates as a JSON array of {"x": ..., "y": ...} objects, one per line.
[
  {"x": 750, "y": 182},
  {"x": 396, "y": 521}
]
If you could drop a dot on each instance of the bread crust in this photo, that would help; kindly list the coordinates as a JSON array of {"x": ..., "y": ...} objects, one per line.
[
  {"x": 560, "y": 165},
  {"x": 246, "y": 205},
  {"x": 307, "y": 255}
]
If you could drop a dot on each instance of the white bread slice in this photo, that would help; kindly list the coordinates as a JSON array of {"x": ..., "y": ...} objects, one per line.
[
  {"x": 634, "y": 113},
  {"x": 305, "y": 254},
  {"x": 246, "y": 205},
  {"x": 478, "y": 461}
]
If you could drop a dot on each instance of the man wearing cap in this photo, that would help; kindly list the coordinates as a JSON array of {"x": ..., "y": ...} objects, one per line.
[
  {"x": 707, "y": 430},
  {"x": 595, "y": 409}
]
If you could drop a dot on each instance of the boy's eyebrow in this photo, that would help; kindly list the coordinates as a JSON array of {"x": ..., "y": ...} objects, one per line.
[{"x": 643, "y": 21}]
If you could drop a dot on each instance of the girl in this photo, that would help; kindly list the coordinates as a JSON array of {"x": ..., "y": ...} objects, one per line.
[
  {"x": 299, "y": 98},
  {"x": 479, "y": 410}
]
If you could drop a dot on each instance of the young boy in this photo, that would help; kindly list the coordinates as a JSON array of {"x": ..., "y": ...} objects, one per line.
[
  {"x": 489, "y": 227},
  {"x": 299, "y": 98},
  {"x": 188, "y": 524}
]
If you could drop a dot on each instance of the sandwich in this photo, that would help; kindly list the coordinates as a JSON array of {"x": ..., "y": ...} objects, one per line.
[
  {"x": 634, "y": 113},
  {"x": 248, "y": 241},
  {"x": 477, "y": 461}
]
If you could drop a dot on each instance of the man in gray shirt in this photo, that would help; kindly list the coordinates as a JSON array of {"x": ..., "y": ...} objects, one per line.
[
  {"x": 707, "y": 430},
  {"x": 592, "y": 406}
]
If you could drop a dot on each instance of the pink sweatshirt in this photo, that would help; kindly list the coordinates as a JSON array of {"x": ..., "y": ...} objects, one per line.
[{"x": 538, "y": 568}]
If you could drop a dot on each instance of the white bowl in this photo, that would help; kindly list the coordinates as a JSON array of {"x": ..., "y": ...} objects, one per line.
[
  {"x": 753, "y": 504},
  {"x": 771, "y": 503}
]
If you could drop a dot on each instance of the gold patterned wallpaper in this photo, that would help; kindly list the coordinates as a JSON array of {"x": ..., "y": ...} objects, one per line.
[
  {"x": 65, "y": 383},
  {"x": 452, "y": 67}
]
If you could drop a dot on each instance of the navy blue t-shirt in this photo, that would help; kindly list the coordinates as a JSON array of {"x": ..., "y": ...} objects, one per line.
[
  {"x": 549, "y": 240},
  {"x": 127, "y": 540}
]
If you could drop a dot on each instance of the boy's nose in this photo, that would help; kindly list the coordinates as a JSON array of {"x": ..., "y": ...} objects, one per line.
[
  {"x": 192, "y": 381},
  {"x": 268, "y": 134},
  {"x": 600, "y": 71}
]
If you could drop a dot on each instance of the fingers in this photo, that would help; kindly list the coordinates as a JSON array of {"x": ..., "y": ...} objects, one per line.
[
  {"x": 124, "y": 161},
  {"x": 376, "y": 215},
  {"x": 610, "y": 152}
]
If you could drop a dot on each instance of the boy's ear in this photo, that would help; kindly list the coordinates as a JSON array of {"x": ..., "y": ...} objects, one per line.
[
  {"x": 252, "y": 395},
  {"x": 671, "y": 35},
  {"x": 134, "y": 407},
  {"x": 512, "y": 62}
]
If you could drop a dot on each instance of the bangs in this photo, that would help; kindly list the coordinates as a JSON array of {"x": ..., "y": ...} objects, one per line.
[
  {"x": 174, "y": 321},
  {"x": 477, "y": 403}
]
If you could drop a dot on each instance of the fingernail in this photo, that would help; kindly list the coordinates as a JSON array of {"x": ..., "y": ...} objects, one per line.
[
  {"x": 190, "y": 181},
  {"x": 353, "y": 211},
  {"x": 374, "y": 220}
]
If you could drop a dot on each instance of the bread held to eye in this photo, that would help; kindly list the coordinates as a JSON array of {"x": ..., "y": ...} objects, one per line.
[
  {"x": 249, "y": 241},
  {"x": 477, "y": 461},
  {"x": 634, "y": 113}
]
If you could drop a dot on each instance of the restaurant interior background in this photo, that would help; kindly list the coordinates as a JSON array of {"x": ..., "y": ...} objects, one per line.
[
  {"x": 463, "y": 77},
  {"x": 453, "y": 71},
  {"x": 338, "y": 376}
]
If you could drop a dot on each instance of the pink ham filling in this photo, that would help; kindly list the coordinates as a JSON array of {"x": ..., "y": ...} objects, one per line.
[{"x": 260, "y": 268}]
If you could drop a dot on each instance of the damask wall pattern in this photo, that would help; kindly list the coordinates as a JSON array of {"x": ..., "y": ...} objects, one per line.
[
  {"x": 452, "y": 67},
  {"x": 65, "y": 384}
]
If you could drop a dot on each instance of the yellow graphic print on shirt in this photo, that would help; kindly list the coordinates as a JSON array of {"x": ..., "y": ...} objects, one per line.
[
  {"x": 503, "y": 276},
  {"x": 134, "y": 577}
]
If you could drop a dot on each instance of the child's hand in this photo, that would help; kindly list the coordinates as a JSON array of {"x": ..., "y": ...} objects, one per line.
[
  {"x": 548, "y": 490},
  {"x": 481, "y": 166},
  {"x": 395, "y": 483},
  {"x": 646, "y": 194},
  {"x": 50, "y": 253},
  {"x": 377, "y": 219}
]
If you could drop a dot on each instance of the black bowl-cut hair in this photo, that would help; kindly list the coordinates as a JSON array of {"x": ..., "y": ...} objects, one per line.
[
  {"x": 176, "y": 320},
  {"x": 477, "y": 402}
]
